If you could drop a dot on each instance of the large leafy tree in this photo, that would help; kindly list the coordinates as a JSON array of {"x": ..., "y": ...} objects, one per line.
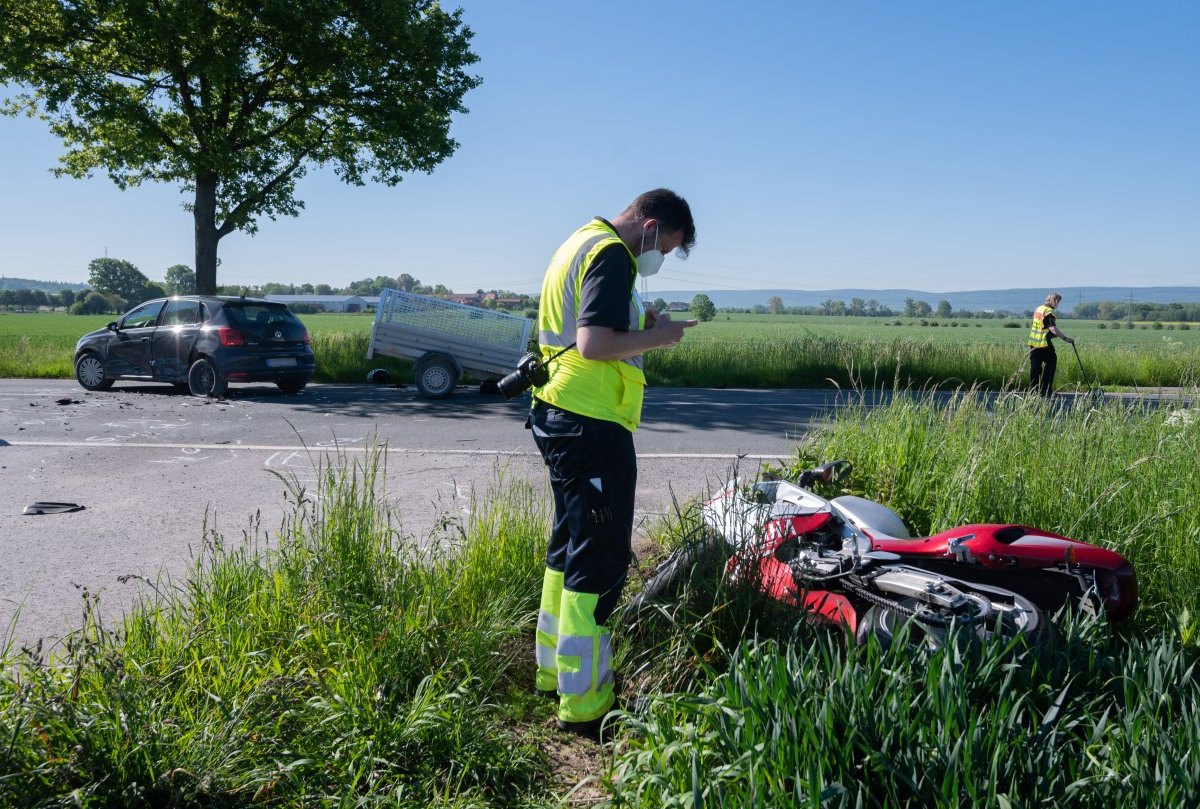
[
  {"x": 180, "y": 280},
  {"x": 703, "y": 307},
  {"x": 235, "y": 99},
  {"x": 116, "y": 276}
]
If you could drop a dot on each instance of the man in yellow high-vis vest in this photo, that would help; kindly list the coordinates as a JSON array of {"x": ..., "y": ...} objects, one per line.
[
  {"x": 592, "y": 331},
  {"x": 1042, "y": 358}
]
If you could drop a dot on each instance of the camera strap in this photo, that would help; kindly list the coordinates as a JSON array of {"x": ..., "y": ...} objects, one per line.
[{"x": 558, "y": 354}]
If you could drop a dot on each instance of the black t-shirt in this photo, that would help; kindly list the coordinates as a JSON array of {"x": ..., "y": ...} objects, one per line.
[
  {"x": 1048, "y": 323},
  {"x": 607, "y": 286}
]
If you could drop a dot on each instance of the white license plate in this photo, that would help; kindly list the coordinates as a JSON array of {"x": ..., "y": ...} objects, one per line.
[{"x": 281, "y": 362}]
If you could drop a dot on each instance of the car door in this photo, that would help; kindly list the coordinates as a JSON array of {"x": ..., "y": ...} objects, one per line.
[
  {"x": 129, "y": 345},
  {"x": 174, "y": 339}
]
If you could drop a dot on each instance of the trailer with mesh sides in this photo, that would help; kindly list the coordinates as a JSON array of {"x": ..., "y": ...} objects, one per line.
[{"x": 445, "y": 339}]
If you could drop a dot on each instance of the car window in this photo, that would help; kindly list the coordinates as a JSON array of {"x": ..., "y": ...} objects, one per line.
[
  {"x": 143, "y": 315},
  {"x": 182, "y": 313},
  {"x": 262, "y": 314}
]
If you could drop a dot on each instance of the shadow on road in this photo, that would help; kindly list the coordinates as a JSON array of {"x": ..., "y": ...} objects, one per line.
[{"x": 667, "y": 410}]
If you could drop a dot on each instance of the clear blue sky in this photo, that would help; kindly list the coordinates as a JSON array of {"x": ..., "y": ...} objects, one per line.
[{"x": 930, "y": 145}]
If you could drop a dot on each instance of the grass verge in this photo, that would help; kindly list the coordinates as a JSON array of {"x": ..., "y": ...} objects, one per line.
[{"x": 339, "y": 665}]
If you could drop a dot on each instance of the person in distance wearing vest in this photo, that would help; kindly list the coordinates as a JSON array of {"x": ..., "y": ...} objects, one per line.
[
  {"x": 1042, "y": 359},
  {"x": 583, "y": 419}
]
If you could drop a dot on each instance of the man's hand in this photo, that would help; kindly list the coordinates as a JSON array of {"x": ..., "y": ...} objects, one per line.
[
  {"x": 671, "y": 331},
  {"x": 603, "y": 343}
]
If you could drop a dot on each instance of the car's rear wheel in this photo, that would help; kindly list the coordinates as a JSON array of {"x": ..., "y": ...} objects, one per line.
[
  {"x": 205, "y": 380},
  {"x": 290, "y": 386},
  {"x": 89, "y": 372}
]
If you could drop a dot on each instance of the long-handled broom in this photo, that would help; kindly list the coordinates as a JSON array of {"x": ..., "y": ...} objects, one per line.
[{"x": 1094, "y": 391}]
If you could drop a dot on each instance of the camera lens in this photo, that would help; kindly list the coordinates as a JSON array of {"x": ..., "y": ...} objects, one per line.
[{"x": 513, "y": 384}]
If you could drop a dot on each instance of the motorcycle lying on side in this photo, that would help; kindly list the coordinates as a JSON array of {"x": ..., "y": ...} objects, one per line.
[{"x": 851, "y": 562}]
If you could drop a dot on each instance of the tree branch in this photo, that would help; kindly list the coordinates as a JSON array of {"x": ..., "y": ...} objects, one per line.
[
  {"x": 244, "y": 207},
  {"x": 179, "y": 74}
]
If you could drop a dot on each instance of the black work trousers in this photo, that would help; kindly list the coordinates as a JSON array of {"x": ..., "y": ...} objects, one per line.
[
  {"x": 593, "y": 474},
  {"x": 1042, "y": 364}
]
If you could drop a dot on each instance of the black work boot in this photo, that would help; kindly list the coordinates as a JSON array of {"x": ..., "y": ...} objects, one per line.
[
  {"x": 594, "y": 729},
  {"x": 598, "y": 730}
]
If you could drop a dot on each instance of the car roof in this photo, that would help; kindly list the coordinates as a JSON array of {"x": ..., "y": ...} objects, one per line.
[{"x": 222, "y": 299}]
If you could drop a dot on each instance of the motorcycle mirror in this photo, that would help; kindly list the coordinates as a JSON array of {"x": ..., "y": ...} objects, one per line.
[{"x": 832, "y": 472}]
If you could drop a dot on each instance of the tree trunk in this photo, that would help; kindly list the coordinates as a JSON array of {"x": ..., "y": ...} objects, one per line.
[{"x": 204, "y": 213}]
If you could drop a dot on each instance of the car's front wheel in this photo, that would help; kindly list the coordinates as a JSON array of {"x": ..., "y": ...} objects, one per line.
[
  {"x": 205, "y": 380},
  {"x": 89, "y": 372}
]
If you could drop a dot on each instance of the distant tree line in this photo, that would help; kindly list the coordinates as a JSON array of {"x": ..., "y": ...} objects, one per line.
[
  {"x": 24, "y": 300},
  {"x": 371, "y": 287},
  {"x": 914, "y": 308},
  {"x": 859, "y": 307},
  {"x": 115, "y": 285},
  {"x": 1144, "y": 312}
]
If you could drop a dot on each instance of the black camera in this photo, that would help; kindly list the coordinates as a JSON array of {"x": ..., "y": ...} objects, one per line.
[{"x": 530, "y": 373}]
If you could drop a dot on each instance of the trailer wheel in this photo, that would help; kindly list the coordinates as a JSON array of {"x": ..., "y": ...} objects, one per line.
[{"x": 436, "y": 377}]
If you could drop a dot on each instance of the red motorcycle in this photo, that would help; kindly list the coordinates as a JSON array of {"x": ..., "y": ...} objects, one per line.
[{"x": 851, "y": 562}]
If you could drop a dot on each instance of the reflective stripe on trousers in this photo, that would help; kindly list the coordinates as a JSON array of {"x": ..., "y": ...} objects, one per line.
[
  {"x": 584, "y": 658},
  {"x": 546, "y": 645}
]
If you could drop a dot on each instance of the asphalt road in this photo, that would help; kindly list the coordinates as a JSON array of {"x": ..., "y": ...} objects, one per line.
[{"x": 153, "y": 466}]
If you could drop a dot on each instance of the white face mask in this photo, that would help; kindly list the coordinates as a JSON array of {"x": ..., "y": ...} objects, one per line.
[{"x": 649, "y": 261}]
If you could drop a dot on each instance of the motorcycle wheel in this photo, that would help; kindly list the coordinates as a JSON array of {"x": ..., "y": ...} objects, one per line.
[
  {"x": 1014, "y": 616},
  {"x": 674, "y": 571}
]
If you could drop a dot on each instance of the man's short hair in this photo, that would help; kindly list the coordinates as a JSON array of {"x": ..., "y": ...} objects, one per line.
[
  {"x": 1053, "y": 299},
  {"x": 669, "y": 208}
]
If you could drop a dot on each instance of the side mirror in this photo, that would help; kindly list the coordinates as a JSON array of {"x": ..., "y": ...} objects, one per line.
[
  {"x": 832, "y": 472},
  {"x": 112, "y": 326}
]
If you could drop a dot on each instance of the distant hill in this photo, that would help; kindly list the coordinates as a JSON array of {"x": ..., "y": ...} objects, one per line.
[
  {"x": 1012, "y": 300},
  {"x": 45, "y": 286}
]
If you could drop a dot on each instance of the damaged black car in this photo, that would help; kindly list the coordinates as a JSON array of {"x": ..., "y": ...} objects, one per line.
[{"x": 201, "y": 343}]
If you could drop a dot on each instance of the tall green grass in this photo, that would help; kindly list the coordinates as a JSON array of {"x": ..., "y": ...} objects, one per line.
[
  {"x": 1094, "y": 721},
  {"x": 812, "y": 360},
  {"x": 342, "y": 357},
  {"x": 338, "y": 664},
  {"x": 35, "y": 357}
]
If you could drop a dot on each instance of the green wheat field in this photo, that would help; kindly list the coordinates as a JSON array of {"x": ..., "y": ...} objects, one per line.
[{"x": 751, "y": 351}]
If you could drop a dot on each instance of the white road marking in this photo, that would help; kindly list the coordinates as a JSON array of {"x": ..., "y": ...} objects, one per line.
[{"x": 390, "y": 450}]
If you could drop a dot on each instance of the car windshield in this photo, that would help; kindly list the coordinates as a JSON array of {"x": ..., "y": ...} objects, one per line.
[{"x": 259, "y": 314}]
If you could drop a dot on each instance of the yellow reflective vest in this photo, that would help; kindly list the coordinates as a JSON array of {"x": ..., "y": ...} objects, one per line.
[
  {"x": 610, "y": 390},
  {"x": 1039, "y": 333}
]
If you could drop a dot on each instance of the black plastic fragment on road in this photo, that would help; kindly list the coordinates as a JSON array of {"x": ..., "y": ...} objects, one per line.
[{"x": 49, "y": 507}]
